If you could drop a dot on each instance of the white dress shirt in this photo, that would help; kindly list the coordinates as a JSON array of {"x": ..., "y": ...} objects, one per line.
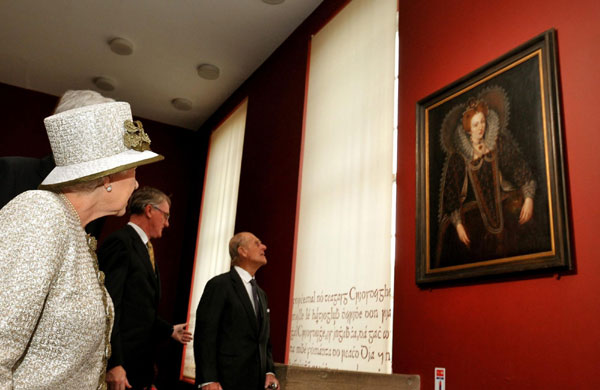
[
  {"x": 246, "y": 278},
  {"x": 140, "y": 232}
]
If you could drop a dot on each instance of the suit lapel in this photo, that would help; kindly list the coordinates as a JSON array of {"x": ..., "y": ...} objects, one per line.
[{"x": 242, "y": 293}]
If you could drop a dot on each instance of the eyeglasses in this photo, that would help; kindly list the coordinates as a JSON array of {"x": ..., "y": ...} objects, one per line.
[{"x": 164, "y": 213}]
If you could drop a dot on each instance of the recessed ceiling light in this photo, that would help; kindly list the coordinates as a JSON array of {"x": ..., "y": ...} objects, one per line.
[
  {"x": 208, "y": 71},
  {"x": 121, "y": 46},
  {"x": 182, "y": 104},
  {"x": 105, "y": 83},
  {"x": 273, "y": 2}
]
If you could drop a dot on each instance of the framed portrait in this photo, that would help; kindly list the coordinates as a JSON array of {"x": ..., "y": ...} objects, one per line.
[{"x": 491, "y": 196}]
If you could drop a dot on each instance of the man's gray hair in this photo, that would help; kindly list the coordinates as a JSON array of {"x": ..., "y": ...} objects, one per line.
[
  {"x": 234, "y": 244},
  {"x": 75, "y": 99},
  {"x": 146, "y": 196}
]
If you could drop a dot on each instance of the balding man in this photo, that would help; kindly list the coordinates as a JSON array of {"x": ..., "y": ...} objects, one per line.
[{"x": 233, "y": 347}]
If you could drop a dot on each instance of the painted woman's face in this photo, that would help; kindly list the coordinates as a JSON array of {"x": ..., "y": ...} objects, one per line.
[{"x": 477, "y": 127}]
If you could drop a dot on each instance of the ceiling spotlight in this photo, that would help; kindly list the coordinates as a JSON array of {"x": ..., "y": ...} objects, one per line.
[
  {"x": 105, "y": 83},
  {"x": 121, "y": 46},
  {"x": 273, "y": 2},
  {"x": 208, "y": 71},
  {"x": 182, "y": 104}
]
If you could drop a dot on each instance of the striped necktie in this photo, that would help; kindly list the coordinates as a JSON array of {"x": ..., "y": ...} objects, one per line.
[{"x": 151, "y": 254}]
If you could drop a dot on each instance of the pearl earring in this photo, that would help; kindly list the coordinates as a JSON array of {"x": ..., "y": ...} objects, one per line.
[{"x": 109, "y": 188}]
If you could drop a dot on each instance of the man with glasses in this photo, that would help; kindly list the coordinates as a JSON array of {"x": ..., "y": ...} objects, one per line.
[{"x": 132, "y": 279}]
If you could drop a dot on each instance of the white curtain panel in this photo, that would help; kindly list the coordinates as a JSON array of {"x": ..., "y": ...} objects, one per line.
[
  {"x": 217, "y": 214},
  {"x": 342, "y": 290}
]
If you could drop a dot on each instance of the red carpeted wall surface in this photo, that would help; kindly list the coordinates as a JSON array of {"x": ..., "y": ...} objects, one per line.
[{"x": 518, "y": 333}]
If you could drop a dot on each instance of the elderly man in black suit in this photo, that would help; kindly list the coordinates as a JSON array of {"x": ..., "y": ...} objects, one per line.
[
  {"x": 233, "y": 347},
  {"x": 132, "y": 279}
]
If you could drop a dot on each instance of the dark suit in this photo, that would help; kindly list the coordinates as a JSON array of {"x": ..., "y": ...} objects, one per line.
[
  {"x": 135, "y": 290},
  {"x": 230, "y": 347},
  {"x": 19, "y": 174}
]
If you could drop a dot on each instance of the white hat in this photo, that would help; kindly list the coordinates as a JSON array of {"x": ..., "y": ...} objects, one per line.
[{"x": 94, "y": 141}]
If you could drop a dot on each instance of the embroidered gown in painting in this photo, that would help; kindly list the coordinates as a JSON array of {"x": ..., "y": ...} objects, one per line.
[{"x": 486, "y": 195}]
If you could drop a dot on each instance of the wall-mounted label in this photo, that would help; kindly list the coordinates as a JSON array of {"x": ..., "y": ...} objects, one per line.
[{"x": 440, "y": 378}]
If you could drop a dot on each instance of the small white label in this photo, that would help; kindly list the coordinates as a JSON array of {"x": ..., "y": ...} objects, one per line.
[{"x": 440, "y": 378}]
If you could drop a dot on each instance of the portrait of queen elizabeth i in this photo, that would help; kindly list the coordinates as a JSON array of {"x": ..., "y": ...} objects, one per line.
[
  {"x": 491, "y": 189},
  {"x": 487, "y": 190}
]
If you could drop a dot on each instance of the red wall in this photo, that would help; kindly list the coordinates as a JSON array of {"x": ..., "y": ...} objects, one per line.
[
  {"x": 519, "y": 333},
  {"x": 22, "y": 132}
]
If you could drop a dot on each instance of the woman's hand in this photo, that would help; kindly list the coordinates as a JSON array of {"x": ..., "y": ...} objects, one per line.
[
  {"x": 462, "y": 235},
  {"x": 526, "y": 211}
]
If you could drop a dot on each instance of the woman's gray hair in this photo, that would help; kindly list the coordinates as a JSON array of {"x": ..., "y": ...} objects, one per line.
[
  {"x": 86, "y": 186},
  {"x": 75, "y": 99},
  {"x": 146, "y": 196},
  {"x": 91, "y": 185}
]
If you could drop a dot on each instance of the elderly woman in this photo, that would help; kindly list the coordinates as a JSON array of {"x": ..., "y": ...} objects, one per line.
[
  {"x": 55, "y": 314},
  {"x": 487, "y": 190}
]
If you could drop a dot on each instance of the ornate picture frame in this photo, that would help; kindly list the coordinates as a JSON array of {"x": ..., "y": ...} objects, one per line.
[{"x": 491, "y": 192}]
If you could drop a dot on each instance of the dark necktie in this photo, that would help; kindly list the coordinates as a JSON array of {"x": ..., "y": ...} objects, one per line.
[{"x": 257, "y": 310}]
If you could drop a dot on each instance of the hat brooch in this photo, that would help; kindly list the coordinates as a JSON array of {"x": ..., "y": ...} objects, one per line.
[{"x": 135, "y": 137}]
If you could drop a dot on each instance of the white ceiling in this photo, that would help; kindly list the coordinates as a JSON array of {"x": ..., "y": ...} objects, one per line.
[{"x": 52, "y": 46}]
